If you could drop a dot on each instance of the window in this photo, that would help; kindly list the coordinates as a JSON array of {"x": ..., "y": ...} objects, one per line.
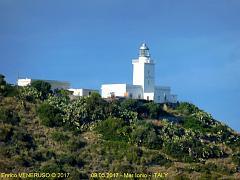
[
  {"x": 112, "y": 94},
  {"x": 165, "y": 97},
  {"x": 130, "y": 95},
  {"x": 148, "y": 98}
]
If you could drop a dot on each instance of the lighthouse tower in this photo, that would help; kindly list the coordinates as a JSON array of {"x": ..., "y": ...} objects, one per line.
[{"x": 144, "y": 72}]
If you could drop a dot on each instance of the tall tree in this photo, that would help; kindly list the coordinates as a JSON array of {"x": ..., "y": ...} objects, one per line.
[
  {"x": 2, "y": 80},
  {"x": 42, "y": 86},
  {"x": 3, "y": 89}
]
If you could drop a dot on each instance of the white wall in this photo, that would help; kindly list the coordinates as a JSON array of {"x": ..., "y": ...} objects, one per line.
[
  {"x": 144, "y": 73},
  {"x": 23, "y": 82},
  {"x": 122, "y": 90},
  {"x": 173, "y": 98},
  {"x": 135, "y": 91},
  {"x": 113, "y": 89},
  {"x": 76, "y": 92},
  {"x": 138, "y": 72},
  {"x": 162, "y": 94},
  {"x": 149, "y": 96},
  {"x": 83, "y": 92},
  {"x": 149, "y": 77}
]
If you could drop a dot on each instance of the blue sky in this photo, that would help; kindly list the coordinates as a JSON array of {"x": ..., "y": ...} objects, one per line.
[{"x": 195, "y": 44}]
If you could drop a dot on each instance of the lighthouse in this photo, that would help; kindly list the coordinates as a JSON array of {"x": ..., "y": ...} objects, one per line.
[
  {"x": 144, "y": 72},
  {"x": 143, "y": 86}
]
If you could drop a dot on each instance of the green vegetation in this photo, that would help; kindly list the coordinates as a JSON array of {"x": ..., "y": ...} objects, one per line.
[
  {"x": 44, "y": 131},
  {"x": 43, "y": 87},
  {"x": 29, "y": 94},
  {"x": 49, "y": 115},
  {"x": 114, "y": 129},
  {"x": 2, "y": 85},
  {"x": 7, "y": 89}
]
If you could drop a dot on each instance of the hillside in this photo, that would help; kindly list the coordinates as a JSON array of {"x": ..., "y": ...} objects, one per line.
[{"x": 45, "y": 131}]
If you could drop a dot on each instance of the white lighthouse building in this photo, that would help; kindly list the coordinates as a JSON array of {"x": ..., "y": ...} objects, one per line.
[
  {"x": 144, "y": 72},
  {"x": 143, "y": 86}
]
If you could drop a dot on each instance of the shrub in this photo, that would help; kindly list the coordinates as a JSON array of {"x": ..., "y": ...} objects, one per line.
[
  {"x": 191, "y": 150},
  {"x": 219, "y": 168},
  {"x": 9, "y": 116},
  {"x": 130, "y": 104},
  {"x": 6, "y": 132},
  {"x": 11, "y": 91},
  {"x": 43, "y": 87},
  {"x": 187, "y": 108},
  {"x": 112, "y": 129},
  {"x": 135, "y": 105},
  {"x": 174, "y": 149},
  {"x": 23, "y": 140},
  {"x": 121, "y": 151},
  {"x": 96, "y": 107},
  {"x": 2, "y": 80},
  {"x": 59, "y": 136},
  {"x": 75, "y": 144},
  {"x": 49, "y": 115},
  {"x": 22, "y": 160},
  {"x": 143, "y": 134},
  {"x": 158, "y": 159},
  {"x": 29, "y": 93},
  {"x": 51, "y": 166},
  {"x": 153, "y": 110},
  {"x": 3, "y": 83},
  {"x": 67, "y": 159},
  {"x": 193, "y": 123},
  {"x": 43, "y": 154},
  {"x": 181, "y": 177},
  {"x": 236, "y": 158},
  {"x": 75, "y": 173}
]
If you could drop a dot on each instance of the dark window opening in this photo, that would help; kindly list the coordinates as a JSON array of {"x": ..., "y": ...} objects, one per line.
[{"x": 130, "y": 95}]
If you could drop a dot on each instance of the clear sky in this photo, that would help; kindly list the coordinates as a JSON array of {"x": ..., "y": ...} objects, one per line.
[{"x": 195, "y": 44}]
